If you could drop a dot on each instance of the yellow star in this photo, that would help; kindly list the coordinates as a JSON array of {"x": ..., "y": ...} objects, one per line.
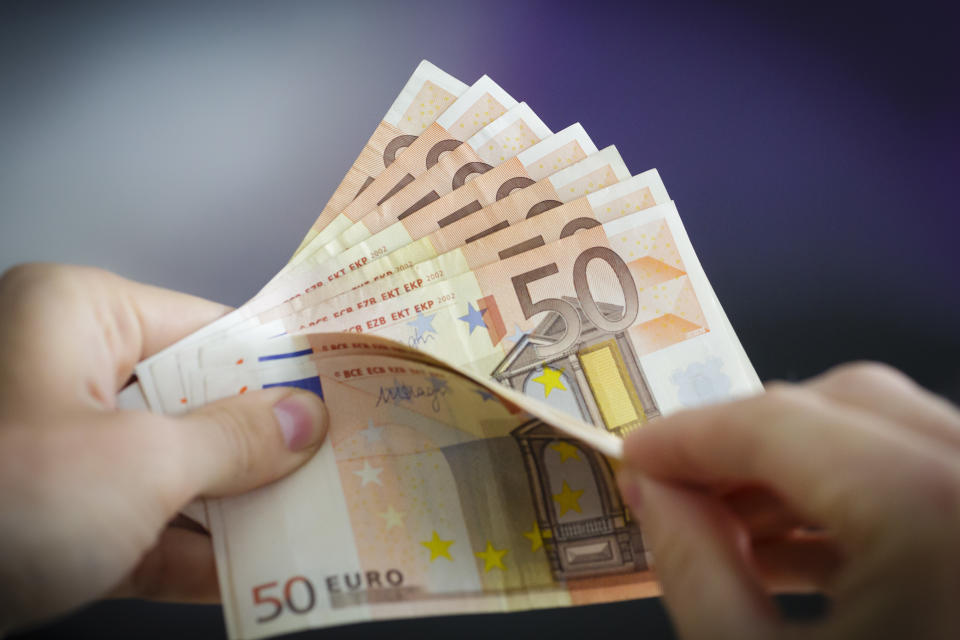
[
  {"x": 568, "y": 499},
  {"x": 534, "y": 536},
  {"x": 438, "y": 547},
  {"x": 550, "y": 379},
  {"x": 492, "y": 558},
  {"x": 393, "y": 517},
  {"x": 566, "y": 450}
]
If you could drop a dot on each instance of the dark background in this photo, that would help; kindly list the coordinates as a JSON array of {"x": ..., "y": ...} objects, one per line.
[{"x": 813, "y": 152}]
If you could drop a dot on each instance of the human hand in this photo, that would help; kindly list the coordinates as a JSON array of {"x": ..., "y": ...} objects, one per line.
[
  {"x": 87, "y": 490},
  {"x": 849, "y": 484}
]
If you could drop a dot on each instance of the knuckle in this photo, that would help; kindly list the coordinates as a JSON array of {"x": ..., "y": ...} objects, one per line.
[
  {"x": 34, "y": 281},
  {"x": 29, "y": 274},
  {"x": 46, "y": 271},
  {"x": 867, "y": 374}
]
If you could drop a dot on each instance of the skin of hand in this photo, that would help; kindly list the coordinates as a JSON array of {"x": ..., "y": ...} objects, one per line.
[
  {"x": 87, "y": 492},
  {"x": 848, "y": 484}
]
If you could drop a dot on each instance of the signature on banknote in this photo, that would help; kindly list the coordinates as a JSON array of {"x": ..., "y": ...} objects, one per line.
[
  {"x": 399, "y": 392},
  {"x": 420, "y": 339}
]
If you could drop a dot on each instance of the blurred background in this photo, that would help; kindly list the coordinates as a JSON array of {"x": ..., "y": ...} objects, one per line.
[{"x": 813, "y": 152}]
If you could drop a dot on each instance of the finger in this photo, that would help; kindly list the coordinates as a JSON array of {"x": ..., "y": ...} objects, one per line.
[
  {"x": 247, "y": 441},
  {"x": 700, "y": 556},
  {"x": 885, "y": 391},
  {"x": 140, "y": 319},
  {"x": 822, "y": 458},
  {"x": 96, "y": 324},
  {"x": 180, "y": 568},
  {"x": 164, "y": 316},
  {"x": 145, "y": 318}
]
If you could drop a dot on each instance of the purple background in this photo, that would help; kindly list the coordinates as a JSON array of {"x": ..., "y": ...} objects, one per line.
[{"x": 812, "y": 152}]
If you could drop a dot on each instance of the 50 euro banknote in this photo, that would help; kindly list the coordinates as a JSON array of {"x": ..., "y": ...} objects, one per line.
[
  {"x": 615, "y": 325},
  {"x": 431, "y": 495}
]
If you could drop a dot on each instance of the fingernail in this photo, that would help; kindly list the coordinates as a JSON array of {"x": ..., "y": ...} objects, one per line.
[
  {"x": 302, "y": 420},
  {"x": 629, "y": 483}
]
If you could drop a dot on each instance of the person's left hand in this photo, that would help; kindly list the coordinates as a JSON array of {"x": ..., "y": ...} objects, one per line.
[{"x": 87, "y": 491}]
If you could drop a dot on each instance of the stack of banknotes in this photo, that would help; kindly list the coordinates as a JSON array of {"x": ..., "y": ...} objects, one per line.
[{"x": 487, "y": 308}]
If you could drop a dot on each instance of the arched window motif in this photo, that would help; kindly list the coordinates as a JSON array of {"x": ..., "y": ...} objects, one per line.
[
  {"x": 585, "y": 525},
  {"x": 555, "y": 387},
  {"x": 571, "y": 483}
]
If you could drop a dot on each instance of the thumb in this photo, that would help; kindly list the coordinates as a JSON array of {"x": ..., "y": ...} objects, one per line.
[
  {"x": 700, "y": 561},
  {"x": 244, "y": 442}
]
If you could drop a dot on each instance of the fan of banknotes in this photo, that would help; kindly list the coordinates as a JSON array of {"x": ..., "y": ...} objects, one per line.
[{"x": 487, "y": 307}]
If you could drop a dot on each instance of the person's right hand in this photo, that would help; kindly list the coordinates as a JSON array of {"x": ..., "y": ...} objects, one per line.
[{"x": 849, "y": 483}]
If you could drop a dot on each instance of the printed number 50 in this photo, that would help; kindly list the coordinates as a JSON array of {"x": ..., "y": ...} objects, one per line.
[
  {"x": 277, "y": 605},
  {"x": 589, "y": 306}
]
